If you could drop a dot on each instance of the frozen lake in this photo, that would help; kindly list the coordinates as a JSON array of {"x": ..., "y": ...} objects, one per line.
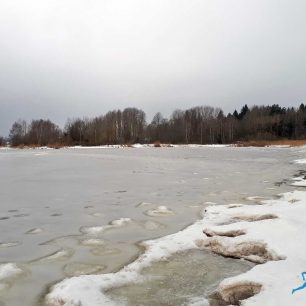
[{"x": 58, "y": 208}]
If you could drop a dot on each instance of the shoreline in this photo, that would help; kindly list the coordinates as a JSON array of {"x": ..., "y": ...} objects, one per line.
[
  {"x": 266, "y": 233},
  {"x": 244, "y": 144}
]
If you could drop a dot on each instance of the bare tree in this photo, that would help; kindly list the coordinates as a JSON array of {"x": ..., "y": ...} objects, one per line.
[{"x": 18, "y": 133}]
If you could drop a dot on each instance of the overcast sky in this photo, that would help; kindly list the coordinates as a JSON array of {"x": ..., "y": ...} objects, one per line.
[{"x": 68, "y": 58}]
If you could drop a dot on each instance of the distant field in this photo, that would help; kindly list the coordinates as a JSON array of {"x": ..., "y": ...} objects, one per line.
[{"x": 264, "y": 143}]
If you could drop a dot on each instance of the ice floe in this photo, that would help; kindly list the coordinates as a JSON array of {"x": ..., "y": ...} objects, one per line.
[
  {"x": 159, "y": 211},
  {"x": 120, "y": 222}
]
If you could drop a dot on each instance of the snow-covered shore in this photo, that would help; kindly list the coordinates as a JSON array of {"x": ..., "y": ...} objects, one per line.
[
  {"x": 270, "y": 233},
  {"x": 135, "y": 146}
]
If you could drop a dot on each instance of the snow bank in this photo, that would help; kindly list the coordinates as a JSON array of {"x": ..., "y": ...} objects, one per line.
[
  {"x": 277, "y": 242},
  {"x": 270, "y": 233}
]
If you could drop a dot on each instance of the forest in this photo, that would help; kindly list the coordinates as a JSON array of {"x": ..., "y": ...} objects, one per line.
[{"x": 197, "y": 125}]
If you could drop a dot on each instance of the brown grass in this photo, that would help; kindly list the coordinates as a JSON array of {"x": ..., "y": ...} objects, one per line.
[
  {"x": 56, "y": 145},
  {"x": 157, "y": 144},
  {"x": 266, "y": 143}
]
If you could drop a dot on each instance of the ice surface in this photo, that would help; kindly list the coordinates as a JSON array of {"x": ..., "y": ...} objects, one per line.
[
  {"x": 59, "y": 255},
  {"x": 92, "y": 177}
]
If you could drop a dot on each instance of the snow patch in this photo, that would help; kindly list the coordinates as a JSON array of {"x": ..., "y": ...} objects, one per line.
[
  {"x": 9, "y": 271},
  {"x": 300, "y": 161},
  {"x": 299, "y": 181}
]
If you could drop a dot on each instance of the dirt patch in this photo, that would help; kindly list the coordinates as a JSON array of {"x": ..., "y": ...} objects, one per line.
[
  {"x": 254, "y": 218},
  {"x": 233, "y": 294},
  {"x": 254, "y": 251},
  {"x": 267, "y": 143},
  {"x": 230, "y": 233}
]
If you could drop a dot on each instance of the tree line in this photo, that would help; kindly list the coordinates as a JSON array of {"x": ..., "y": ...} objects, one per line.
[{"x": 201, "y": 125}]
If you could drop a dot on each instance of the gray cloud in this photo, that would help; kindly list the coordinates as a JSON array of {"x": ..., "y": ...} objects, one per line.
[{"x": 84, "y": 57}]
